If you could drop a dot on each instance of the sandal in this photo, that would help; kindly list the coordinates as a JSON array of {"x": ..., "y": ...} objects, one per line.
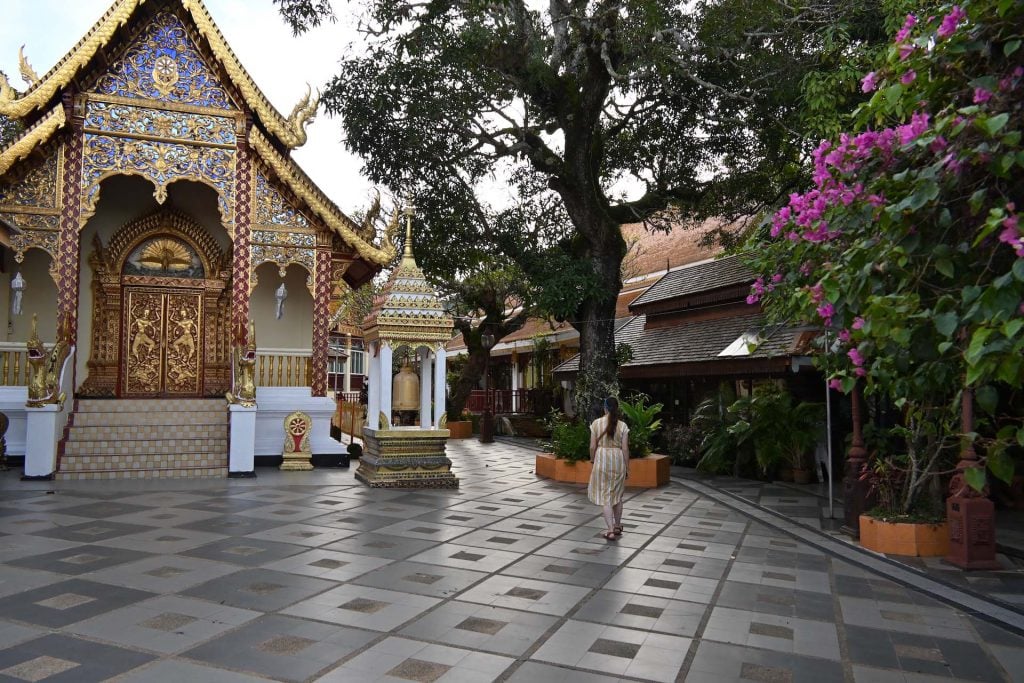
[
  {"x": 610, "y": 536},
  {"x": 617, "y": 529}
]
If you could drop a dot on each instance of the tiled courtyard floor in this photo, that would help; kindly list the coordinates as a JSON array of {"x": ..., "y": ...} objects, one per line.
[{"x": 311, "y": 576}]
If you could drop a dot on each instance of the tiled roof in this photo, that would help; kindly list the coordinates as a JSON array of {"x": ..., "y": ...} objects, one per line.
[
  {"x": 655, "y": 252},
  {"x": 702, "y": 277},
  {"x": 696, "y": 341}
]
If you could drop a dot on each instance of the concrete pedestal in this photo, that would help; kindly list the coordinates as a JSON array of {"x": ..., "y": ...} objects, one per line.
[
  {"x": 406, "y": 458},
  {"x": 241, "y": 459},
  {"x": 43, "y": 427}
]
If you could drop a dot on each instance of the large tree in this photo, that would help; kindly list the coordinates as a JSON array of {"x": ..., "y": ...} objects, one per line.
[{"x": 594, "y": 113}]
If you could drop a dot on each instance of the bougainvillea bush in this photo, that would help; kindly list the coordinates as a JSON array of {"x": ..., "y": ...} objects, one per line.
[{"x": 909, "y": 247}]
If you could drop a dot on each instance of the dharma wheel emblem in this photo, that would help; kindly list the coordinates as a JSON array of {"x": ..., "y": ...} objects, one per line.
[{"x": 165, "y": 74}]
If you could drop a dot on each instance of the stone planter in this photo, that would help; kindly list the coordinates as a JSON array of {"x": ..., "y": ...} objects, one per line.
[
  {"x": 648, "y": 472},
  {"x": 460, "y": 429},
  {"x": 900, "y": 538}
]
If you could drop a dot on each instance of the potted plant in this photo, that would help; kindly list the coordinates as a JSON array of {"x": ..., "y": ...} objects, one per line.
[
  {"x": 643, "y": 422},
  {"x": 905, "y": 480},
  {"x": 462, "y": 428},
  {"x": 568, "y": 451},
  {"x": 780, "y": 433}
]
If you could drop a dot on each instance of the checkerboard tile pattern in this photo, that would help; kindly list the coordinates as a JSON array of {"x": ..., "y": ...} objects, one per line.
[{"x": 312, "y": 577}]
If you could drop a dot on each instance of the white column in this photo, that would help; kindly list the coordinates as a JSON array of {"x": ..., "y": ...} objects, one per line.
[
  {"x": 426, "y": 373},
  {"x": 241, "y": 457},
  {"x": 440, "y": 361},
  {"x": 385, "y": 379},
  {"x": 515, "y": 372},
  {"x": 373, "y": 395},
  {"x": 43, "y": 428},
  {"x": 348, "y": 363}
]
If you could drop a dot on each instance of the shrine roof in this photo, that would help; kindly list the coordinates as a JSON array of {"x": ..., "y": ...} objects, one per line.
[
  {"x": 288, "y": 130},
  {"x": 407, "y": 308}
]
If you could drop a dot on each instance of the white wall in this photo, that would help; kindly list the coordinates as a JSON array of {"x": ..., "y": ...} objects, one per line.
[
  {"x": 295, "y": 328},
  {"x": 39, "y": 296}
]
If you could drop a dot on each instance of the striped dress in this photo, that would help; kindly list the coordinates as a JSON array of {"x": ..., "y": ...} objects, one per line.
[{"x": 608, "y": 476}]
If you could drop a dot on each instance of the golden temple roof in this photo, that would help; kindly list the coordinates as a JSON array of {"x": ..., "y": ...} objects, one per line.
[
  {"x": 289, "y": 130},
  {"x": 408, "y": 309},
  {"x": 38, "y": 134}
]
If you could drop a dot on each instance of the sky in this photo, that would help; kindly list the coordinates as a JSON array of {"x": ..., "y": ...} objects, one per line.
[{"x": 280, "y": 64}]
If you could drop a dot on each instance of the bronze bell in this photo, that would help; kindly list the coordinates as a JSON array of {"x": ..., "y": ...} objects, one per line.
[{"x": 405, "y": 391}]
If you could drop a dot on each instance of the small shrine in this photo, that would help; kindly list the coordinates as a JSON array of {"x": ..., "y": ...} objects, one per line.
[{"x": 405, "y": 434}]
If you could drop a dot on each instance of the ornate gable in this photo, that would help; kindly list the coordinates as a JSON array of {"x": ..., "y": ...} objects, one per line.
[{"x": 163, "y": 63}]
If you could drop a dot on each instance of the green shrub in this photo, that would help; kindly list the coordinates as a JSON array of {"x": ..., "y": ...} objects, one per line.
[
  {"x": 643, "y": 422},
  {"x": 570, "y": 438}
]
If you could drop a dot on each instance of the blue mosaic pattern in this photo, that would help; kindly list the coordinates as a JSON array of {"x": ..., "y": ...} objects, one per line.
[
  {"x": 131, "y": 120},
  {"x": 272, "y": 208},
  {"x": 161, "y": 163},
  {"x": 190, "y": 80}
]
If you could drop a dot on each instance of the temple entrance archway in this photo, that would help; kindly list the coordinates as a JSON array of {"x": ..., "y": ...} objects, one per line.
[{"x": 161, "y": 314}]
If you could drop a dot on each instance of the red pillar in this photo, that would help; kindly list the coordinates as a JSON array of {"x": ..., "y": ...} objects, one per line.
[
  {"x": 969, "y": 513},
  {"x": 855, "y": 491},
  {"x": 241, "y": 265},
  {"x": 70, "y": 223},
  {"x": 321, "y": 301}
]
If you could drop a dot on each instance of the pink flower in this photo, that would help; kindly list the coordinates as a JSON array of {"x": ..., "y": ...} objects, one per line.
[
  {"x": 855, "y": 357},
  {"x": 751, "y": 299},
  {"x": 981, "y": 95},
  {"x": 844, "y": 336},
  {"x": 908, "y": 77},
  {"x": 909, "y": 132},
  {"x": 869, "y": 82},
  {"x": 826, "y": 311},
  {"x": 950, "y": 21},
  {"x": 876, "y": 200},
  {"x": 858, "y": 323},
  {"x": 939, "y": 144},
  {"x": 904, "y": 32},
  {"x": 835, "y": 384},
  {"x": 906, "y": 50},
  {"x": 860, "y": 372},
  {"x": 777, "y": 278}
]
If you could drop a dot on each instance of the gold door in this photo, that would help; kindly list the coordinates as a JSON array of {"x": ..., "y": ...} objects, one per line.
[{"x": 162, "y": 349}]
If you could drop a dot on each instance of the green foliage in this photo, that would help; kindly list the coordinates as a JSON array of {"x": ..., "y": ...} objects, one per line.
[
  {"x": 643, "y": 423},
  {"x": 562, "y": 102},
  {"x": 914, "y": 252},
  {"x": 682, "y": 444},
  {"x": 778, "y": 431},
  {"x": 570, "y": 437}
]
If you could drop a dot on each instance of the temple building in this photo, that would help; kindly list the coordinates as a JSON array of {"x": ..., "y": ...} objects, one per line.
[{"x": 171, "y": 254}]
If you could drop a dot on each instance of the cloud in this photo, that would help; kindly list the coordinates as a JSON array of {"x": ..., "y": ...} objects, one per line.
[{"x": 280, "y": 64}]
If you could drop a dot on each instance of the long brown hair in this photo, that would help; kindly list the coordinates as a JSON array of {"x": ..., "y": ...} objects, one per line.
[{"x": 611, "y": 406}]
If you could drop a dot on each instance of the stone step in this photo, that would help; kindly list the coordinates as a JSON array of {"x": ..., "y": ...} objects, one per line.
[
  {"x": 100, "y": 463},
  {"x": 189, "y": 473},
  {"x": 146, "y": 447},
  {"x": 135, "y": 432},
  {"x": 96, "y": 419},
  {"x": 149, "y": 405}
]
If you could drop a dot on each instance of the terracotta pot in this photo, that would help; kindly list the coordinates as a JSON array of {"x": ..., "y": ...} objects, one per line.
[
  {"x": 902, "y": 538},
  {"x": 648, "y": 472},
  {"x": 460, "y": 429},
  {"x": 801, "y": 476}
]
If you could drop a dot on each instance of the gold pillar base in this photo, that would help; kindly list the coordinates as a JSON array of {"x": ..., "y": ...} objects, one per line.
[
  {"x": 296, "y": 462},
  {"x": 406, "y": 458}
]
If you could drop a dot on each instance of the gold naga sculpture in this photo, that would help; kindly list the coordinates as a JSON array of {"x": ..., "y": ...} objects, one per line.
[
  {"x": 28, "y": 74},
  {"x": 302, "y": 115},
  {"x": 45, "y": 368},
  {"x": 244, "y": 391}
]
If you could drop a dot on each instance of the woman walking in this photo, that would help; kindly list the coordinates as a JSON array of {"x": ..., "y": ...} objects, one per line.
[{"x": 609, "y": 452}]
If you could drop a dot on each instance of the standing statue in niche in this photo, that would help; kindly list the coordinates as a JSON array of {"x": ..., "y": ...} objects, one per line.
[
  {"x": 281, "y": 294},
  {"x": 17, "y": 291}
]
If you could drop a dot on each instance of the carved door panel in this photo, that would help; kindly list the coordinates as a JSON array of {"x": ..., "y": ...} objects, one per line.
[{"x": 161, "y": 353}]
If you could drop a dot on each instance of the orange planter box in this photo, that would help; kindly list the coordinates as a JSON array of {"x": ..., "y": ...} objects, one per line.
[
  {"x": 460, "y": 429},
  {"x": 649, "y": 472},
  {"x": 899, "y": 538}
]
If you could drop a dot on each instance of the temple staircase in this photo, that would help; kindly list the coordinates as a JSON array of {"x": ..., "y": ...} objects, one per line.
[{"x": 145, "y": 439}]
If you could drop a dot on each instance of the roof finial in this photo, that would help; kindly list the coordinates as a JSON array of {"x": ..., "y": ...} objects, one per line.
[{"x": 410, "y": 211}]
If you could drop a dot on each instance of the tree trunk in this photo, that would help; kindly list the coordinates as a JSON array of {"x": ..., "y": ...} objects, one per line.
[
  {"x": 469, "y": 379},
  {"x": 598, "y": 376}
]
